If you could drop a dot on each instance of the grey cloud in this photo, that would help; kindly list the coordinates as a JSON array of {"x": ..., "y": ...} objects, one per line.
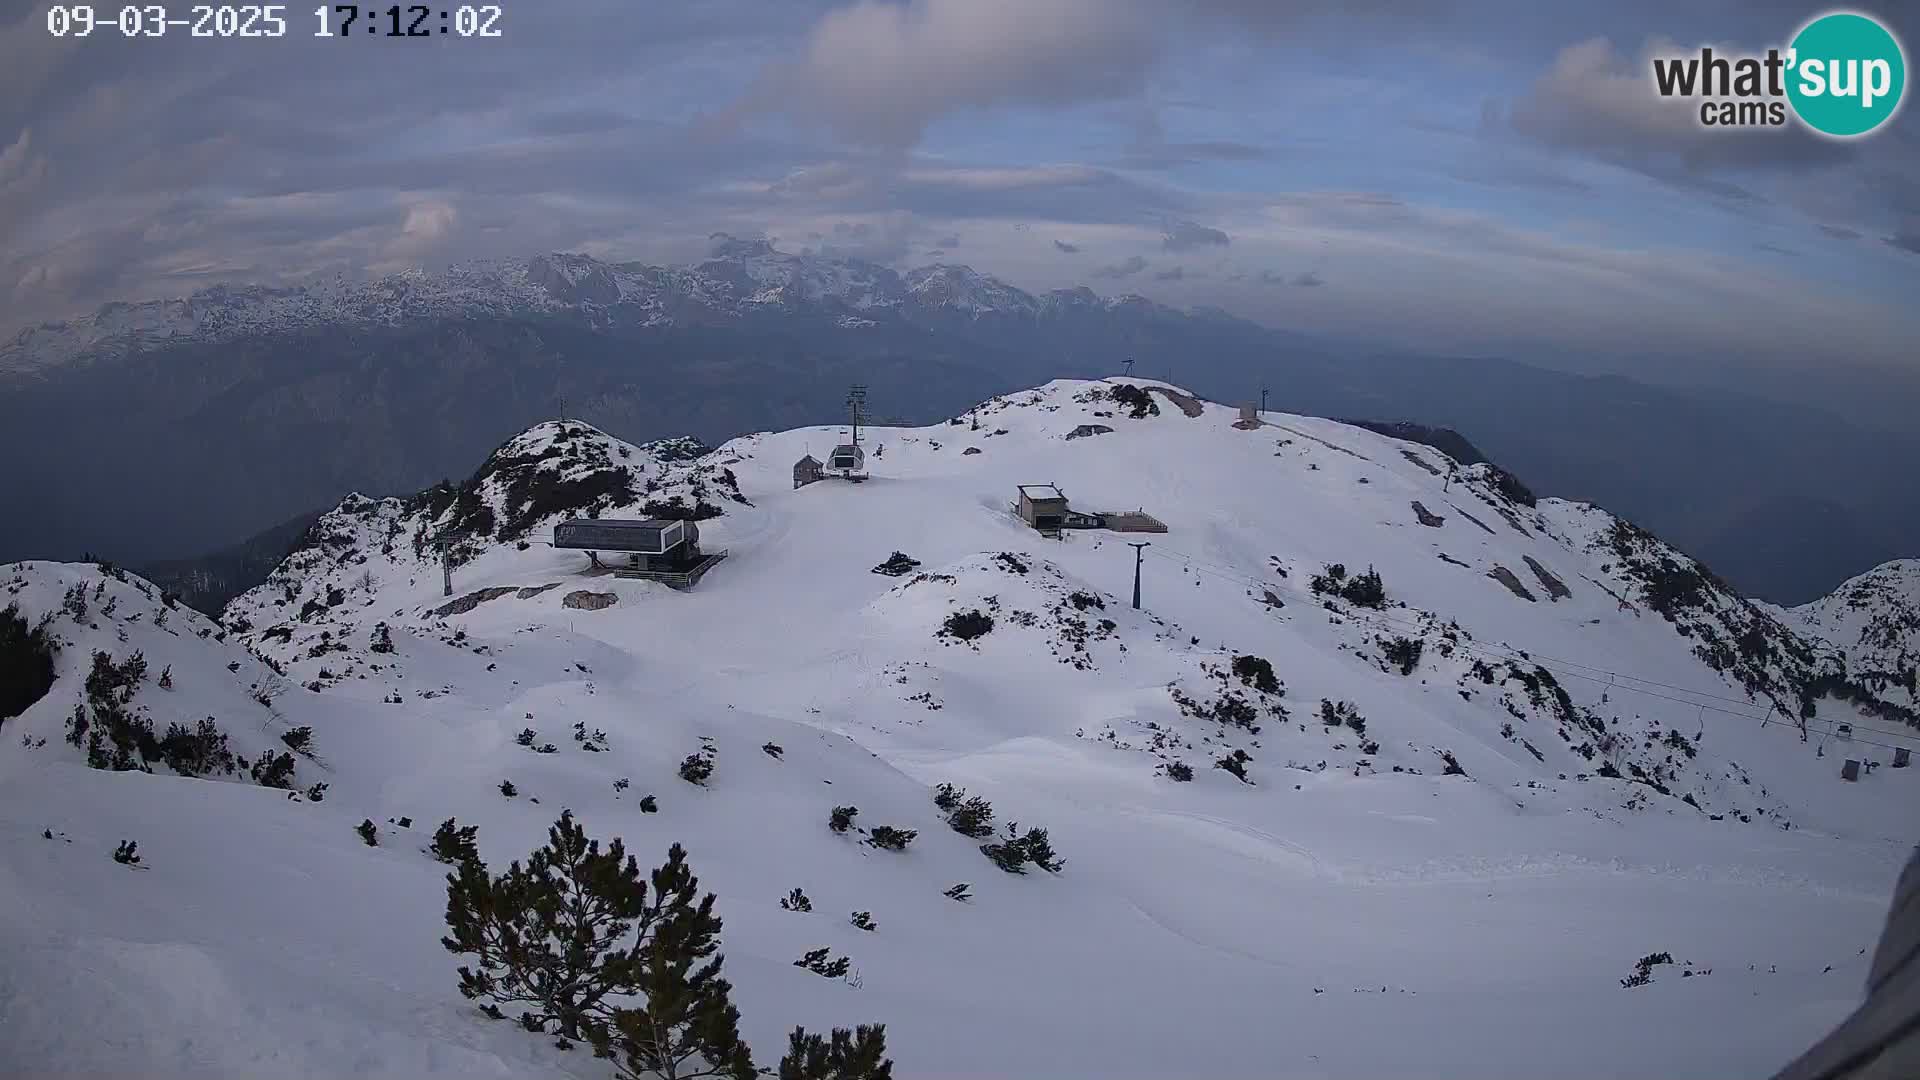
[
  {"x": 1907, "y": 240},
  {"x": 1127, "y": 267},
  {"x": 879, "y": 73},
  {"x": 1070, "y": 249},
  {"x": 1187, "y": 235},
  {"x": 949, "y": 242},
  {"x": 1840, "y": 232},
  {"x": 885, "y": 240},
  {"x": 1176, "y": 274},
  {"x": 1154, "y": 153},
  {"x": 1309, "y": 279}
]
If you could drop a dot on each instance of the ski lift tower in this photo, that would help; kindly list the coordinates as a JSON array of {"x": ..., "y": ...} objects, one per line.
[
  {"x": 848, "y": 459},
  {"x": 444, "y": 543}
]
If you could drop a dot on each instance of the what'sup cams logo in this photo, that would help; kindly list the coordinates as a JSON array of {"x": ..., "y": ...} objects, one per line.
[{"x": 1843, "y": 75}]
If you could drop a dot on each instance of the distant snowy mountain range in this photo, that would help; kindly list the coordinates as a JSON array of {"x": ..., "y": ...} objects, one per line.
[{"x": 741, "y": 280}]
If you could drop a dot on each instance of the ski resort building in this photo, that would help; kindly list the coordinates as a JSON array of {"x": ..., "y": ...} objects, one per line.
[
  {"x": 808, "y": 470},
  {"x": 1044, "y": 506},
  {"x": 657, "y": 549}
]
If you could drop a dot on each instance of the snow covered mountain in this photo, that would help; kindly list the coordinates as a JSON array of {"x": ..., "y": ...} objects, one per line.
[
  {"x": 741, "y": 279},
  {"x": 1397, "y": 770},
  {"x": 1874, "y": 621}
]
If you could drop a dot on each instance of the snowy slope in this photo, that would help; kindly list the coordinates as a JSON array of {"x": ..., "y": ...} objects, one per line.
[
  {"x": 1623, "y": 760},
  {"x": 1874, "y": 621}
]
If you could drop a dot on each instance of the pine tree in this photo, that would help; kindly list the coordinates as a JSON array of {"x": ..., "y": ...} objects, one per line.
[
  {"x": 960, "y": 892},
  {"x": 973, "y": 817},
  {"x": 850, "y": 1055},
  {"x": 1038, "y": 850},
  {"x": 507, "y": 789},
  {"x": 688, "y": 1026},
  {"x": 796, "y": 901},
  {"x": 577, "y": 925},
  {"x": 127, "y": 854},
  {"x": 453, "y": 844},
  {"x": 1009, "y": 856},
  {"x": 369, "y": 832},
  {"x": 863, "y": 920}
]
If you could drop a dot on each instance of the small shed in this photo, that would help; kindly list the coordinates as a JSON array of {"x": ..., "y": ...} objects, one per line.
[
  {"x": 1901, "y": 757},
  {"x": 1249, "y": 413},
  {"x": 807, "y": 470},
  {"x": 1850, "y": 770},
  {"x": 847, "y": 458},
  {"x": 1043, "y": 506}
]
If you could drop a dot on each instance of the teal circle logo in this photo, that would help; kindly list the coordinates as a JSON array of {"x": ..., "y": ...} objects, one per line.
[{"x": 1846, "y": 75}]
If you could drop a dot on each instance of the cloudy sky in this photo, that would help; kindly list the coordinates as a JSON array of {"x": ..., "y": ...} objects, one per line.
[{"x": 1460, "y": 174}]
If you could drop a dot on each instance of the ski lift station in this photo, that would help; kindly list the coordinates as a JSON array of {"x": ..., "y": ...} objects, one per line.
[
  {"x": 657, "y": 549},
  {"x": 849, "y": 460},
  {"x": 1044, "y": 506}
]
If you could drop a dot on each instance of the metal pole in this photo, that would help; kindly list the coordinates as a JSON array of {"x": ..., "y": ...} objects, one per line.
[
  {"x": 1138, "y": 553},
  {"x": 446, "y": 573},
  {"x": 1263, "y": 399}
]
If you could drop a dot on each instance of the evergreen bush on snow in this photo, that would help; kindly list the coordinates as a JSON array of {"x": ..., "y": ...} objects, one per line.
[
  {"x": 27, "y": 655},
  {"x": 842, "y": 818},
  {"x": 796, "y": 901},
  {"x": 592, "y": 951},
  {"x": 369, "y": 832},
  {"x": 199, "y": 751},
  {"x": 968, "y": 816},
  {"x": 1363, "y": 590},
  {"x": 1404, "y": 653},
  {"x": 1257, "y": 673},
  {"x": 453, "y": 843},
  {"x": 272, "y": 770},
  {"x": 697, "y": 769},
  {"x": 819, "y": 962},
  {"x": 967, "y": 625},
  {"x": 891, "y": 839}
]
